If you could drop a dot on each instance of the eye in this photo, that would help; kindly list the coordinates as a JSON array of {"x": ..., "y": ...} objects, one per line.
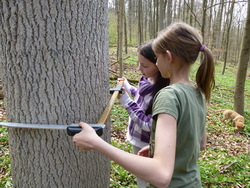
[{"x": 142, "y": 65}]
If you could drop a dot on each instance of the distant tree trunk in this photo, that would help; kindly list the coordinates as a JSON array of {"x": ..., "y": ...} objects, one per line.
[
  {"x": 227, "y": 35},
  {"x": 210, "y": 22},
  {"x": 219, "y": 37},
  {"x": 204, "y": 15},
  {"x": 242, "y": 67},
  {"x": 125, "y": 32},
  {"x": 156, "y": 16},
  {"x": 54, "y": 63},
  {"x": 140, "y": 22},
  {"x": 117, "y": 8},
  {"x": 145, "y": 21},
  {"x": 151, "y": 21},
  {"x": 120, "y": 36},
  {"x": 179, "y": 11},
  {"x": 192, "y": 10},
  {"x": 184, "y": 11},
  {"x": 162, "y": 9},
  {"x": 216, "y": 32},
  {"x": 175, "y": 11},
  {"x": 169, "y": 12},
  {"x": 130, "y": 13}
]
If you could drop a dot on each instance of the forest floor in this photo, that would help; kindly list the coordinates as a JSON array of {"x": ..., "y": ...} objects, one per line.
[{"x": 224, "y": 163}]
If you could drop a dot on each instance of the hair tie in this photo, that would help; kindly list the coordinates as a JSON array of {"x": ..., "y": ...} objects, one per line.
[{"x": 202, "y": 48}]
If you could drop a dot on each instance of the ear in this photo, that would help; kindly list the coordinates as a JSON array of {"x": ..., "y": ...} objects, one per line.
[{"x": 169, "y": 56}]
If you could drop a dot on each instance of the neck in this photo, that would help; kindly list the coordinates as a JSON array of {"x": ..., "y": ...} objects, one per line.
[
  {"x": 154, "y": 78},
  {"x": 180, "y": 74}
]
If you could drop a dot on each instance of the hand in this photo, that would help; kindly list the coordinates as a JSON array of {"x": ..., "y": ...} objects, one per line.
[
  {"x": 87, "y": 138},
  {"x": 144, "y": 151},
  {"x": 121, "y": 79}
]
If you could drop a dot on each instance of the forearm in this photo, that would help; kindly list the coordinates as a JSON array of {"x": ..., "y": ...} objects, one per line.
[
  {"x": 149, "y": 169},
  {"x": 131, "y": 90}
]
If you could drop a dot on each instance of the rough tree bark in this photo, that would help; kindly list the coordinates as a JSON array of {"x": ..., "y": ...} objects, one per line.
[
  {"x": 54, "y": 63},
  {"x": 242, "y": 67}
]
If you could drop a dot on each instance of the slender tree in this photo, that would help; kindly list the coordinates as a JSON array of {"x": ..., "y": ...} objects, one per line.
[
  {"x": 230, "y": 18},
  {"x": 242, "y": 67},
  {"x": 169, "y": 12},
  {"x": 162, "y": 10},
  {"x": 54, "y": 63},
  {"x": 120, "y": 36},
  {"x": 125, "y": 32},
  {"x": 140, "y": 33},
  {"x": 204, "y": 14}
]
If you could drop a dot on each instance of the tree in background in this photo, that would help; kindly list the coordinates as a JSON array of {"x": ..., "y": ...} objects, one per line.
[
  {"x": 229, "y": 25},
  {"x": 242, "y": 67},
  {"x": 54, "y": 63},
  {"x": 120, "y": 30}
]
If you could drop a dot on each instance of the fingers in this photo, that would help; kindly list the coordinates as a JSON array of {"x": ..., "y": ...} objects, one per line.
[
  {"x": 86, "y": 127},
  {"x": 121, "y": 79}
]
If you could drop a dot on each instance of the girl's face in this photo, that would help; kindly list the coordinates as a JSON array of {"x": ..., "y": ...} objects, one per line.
[
  {"x": 147, "y": 68},
  {"x": 162, "y": 64}
]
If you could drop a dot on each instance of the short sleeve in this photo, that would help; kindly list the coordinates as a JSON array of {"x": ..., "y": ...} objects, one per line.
[{"x": 166, "y": 101}]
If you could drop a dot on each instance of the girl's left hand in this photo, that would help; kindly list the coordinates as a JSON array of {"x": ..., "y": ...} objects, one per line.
[
  {"x": 87, "y": 138},
  {"x": 144, "y": 151}
]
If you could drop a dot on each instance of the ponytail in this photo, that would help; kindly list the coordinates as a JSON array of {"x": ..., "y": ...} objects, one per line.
[{"x": 205, "y": 74}]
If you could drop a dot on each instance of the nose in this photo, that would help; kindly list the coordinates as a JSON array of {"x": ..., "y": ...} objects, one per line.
[{"x": 139, "y": 67}]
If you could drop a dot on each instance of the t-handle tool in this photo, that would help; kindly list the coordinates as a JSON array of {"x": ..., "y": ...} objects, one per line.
[{"x": 110, "y": 104}]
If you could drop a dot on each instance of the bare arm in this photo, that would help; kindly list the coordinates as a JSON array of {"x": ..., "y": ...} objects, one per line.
[{"x": 157, "y": 170}]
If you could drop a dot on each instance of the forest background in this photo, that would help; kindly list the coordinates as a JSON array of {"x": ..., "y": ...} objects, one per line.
[{"x": 226, "y": 161}]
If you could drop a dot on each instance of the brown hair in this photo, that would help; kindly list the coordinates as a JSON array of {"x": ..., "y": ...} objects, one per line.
[
  {"x": 146, "y": 51},
  {"x": 185, "y": 42}
]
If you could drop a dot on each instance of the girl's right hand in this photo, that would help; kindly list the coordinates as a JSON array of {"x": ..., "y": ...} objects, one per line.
[
  {"x": 121, "y": 79},
  {"x": 123, "y": 89},
  {"x": 87, "y": 139}
]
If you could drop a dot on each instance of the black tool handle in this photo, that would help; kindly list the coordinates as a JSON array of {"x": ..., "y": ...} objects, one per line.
[{"x": 72, "y": 130}]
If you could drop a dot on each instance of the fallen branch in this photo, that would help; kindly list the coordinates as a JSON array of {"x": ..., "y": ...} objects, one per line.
[
  {"x": 118, "y": 61},
  {"x": 130, "y": 80},
  {"x": 226, "y": 167},
  {"x": 244, "y": 133}
]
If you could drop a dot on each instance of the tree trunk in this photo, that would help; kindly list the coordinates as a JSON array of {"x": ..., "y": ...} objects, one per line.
[
  {"x": 227, "y": 35},
  {"x": 210, "y": 23},
  {"x": 162, "y": 9},
  {"x": 130, "y": 13},
  {"x": 125, "y": 32},
  {"x": 242, "y": 67},
  {"x": 156, "y": 16},
  {"x": 169, "y": 12},
  {"x": 54, "y": 60},
  {"x": 140, "y": 33},
  {"x": 120, "y": 36},
  {"x": 204, "y": 15}
]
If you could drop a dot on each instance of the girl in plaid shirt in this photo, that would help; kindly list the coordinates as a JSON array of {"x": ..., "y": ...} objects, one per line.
[{"x": 140, "y": 109}]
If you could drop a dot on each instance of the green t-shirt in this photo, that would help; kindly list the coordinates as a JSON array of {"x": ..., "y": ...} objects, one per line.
[{"x": 188, "y": 107}]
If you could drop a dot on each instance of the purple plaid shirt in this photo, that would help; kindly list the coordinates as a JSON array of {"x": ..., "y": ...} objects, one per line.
[{"x": 139, "y": 127}]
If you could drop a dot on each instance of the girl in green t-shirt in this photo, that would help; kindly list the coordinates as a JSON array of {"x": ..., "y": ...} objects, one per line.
[{"x": 179, "y": 114}]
